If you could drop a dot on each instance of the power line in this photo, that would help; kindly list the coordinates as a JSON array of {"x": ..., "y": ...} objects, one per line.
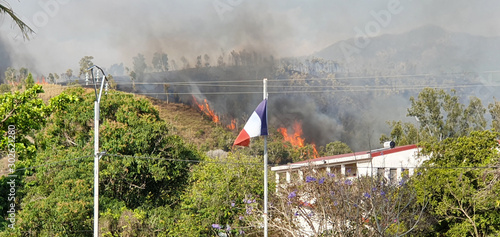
[
  {"x": 48, "y": 164},
  {"x": 399, "y": 76},
  {"x": 181, "y": 160},
  {"x": 347, "y": 90},
  {"x": 242, "y": 163}
]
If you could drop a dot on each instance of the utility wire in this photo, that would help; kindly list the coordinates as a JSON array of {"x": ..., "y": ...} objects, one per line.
[
  {"x": 400, "y": 76},
  {"x": 243, "y": 163},
  {"x": 191, "y": 161},
  {"x": 367, "y": 89},
  {"x": 47, "y": 164}
]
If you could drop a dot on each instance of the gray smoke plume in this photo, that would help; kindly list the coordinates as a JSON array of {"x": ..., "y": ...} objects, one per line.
[
  {"x": 4, "y": 60},
  {"x": 251, "y": 37}
]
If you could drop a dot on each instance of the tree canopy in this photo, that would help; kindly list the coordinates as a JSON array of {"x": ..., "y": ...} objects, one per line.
[{"x": 462, "y": 188}]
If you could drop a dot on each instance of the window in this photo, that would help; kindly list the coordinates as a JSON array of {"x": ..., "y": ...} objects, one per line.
[
  {"x": 381, "y": 172},
  {"x": 321, "y": 172},
  {"x": 282, "y": 177},
  {"x": 350, "y": 170},
  {"x": 393, "y": 175},
  {"x": 294, "y": 176}
]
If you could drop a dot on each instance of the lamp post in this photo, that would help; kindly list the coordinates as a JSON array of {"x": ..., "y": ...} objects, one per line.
[{"x": 97, "y": 155}]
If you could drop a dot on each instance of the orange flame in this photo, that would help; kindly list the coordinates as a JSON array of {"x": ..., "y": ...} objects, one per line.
[
  {"x": 43, "y": 82},
  {"x": 205, "y": 108},
  {"x": 232, "y": 126},
  {"x": 315, "y": 152},
  {"x": 296, "y": 138}
]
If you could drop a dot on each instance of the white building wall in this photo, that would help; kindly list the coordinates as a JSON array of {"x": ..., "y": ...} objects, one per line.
[{"x": 406, "y": 159}]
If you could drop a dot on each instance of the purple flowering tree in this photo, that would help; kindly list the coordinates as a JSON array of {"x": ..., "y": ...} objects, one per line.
[{"x": 332, "y": 205}]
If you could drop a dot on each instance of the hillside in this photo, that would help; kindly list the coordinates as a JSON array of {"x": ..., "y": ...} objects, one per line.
[
  {"x": 187, "y": 122},
  {"x": 428, "y": 49}
]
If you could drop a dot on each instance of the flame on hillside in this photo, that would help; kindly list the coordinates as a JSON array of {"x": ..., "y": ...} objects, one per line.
[
  {"x": 232, "y": 126},
  {"x": 295, "y": 137},
  {"x": 43, "y": 82},
  {"x": 205, "y": 108}
]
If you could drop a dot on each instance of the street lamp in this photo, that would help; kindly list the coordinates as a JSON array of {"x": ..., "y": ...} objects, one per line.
[{"x": 94, "y": 75}]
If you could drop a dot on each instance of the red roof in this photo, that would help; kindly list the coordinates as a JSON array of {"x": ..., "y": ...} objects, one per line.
[
  {"x": 373, "y": 153},
  {"x": 394, "y": 150}
]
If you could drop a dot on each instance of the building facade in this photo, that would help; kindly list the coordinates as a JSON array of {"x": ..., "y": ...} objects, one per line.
[{"x": 390, "y": 162}]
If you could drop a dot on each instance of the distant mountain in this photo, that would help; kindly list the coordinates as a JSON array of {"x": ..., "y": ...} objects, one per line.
[{"x": 428, "y": 49}]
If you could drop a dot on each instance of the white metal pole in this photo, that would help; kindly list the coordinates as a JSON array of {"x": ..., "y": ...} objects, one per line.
[
  {"x": 265, "y": 165},
  {"x": 96, "y": 168}
]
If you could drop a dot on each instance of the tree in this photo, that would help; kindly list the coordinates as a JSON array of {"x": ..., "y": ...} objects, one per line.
[
  {"x": 220, "y": 61},
  {"x": 222, "y": 187},
  {"x": 494, "y": 109},
  {"x": 52, "y": 78},
  {"x": 23, "y": 73},
  {"x": 25, "y": 29},
  {"x": 56, "y": 77},
  {"x": 85, "y": 63},
  {"x": 10, "y": 75},
  {"x": 463, "y": 191},
  {"x": 337, "y": 148},
  {"x": 198, "y": 62},
  {"x": 428, "y": 109},
  {"x": 207, "y": 60},
  {"x": 440, "y": 115},
  {"x": 23, "y": 110},
  {"x": 473, "y": 117},
  {"x": 30, "y": 82},
  {"x": 327, "y": 204},
  {"x": 160, "y": 62},
  {"x": 69, "y": 74},
  {"x": 185, "y": 63},
  {"x": 139, "y": 65},
  {"x": 146, "y": 168},
  {"x": 112, "y": 82},
  {"x": 403, "y": 134}
]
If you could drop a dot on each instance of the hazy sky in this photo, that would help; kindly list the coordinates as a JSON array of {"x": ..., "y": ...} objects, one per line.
[{"x": 116, "y": 30}]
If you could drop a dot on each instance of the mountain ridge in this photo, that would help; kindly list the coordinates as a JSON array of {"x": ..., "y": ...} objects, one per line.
[{"x": 427, "y": 49}]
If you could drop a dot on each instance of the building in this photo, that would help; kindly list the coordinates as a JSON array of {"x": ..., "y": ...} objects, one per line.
[{"x": 391, "y": 162}]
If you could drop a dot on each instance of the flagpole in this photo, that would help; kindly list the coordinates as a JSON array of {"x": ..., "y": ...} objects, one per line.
[{"x": 265, "y": 165}]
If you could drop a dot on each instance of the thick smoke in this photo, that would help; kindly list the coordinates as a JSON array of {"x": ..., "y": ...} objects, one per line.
[
  {"x": 267, "y": 31},
  {"x": 4, "y": 60}
]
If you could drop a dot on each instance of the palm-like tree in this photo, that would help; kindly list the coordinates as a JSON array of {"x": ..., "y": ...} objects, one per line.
[{"x": 25, "y": 29}]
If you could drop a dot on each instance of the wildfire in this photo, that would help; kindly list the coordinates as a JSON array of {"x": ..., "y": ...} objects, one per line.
[
  {"x": 232, "y": 126},
  {"x": 43, "y": 82},
  {"x": 296, "y": 138},
  {"x": 315, "y": 152},
  {"x": 205, "y": 108}
]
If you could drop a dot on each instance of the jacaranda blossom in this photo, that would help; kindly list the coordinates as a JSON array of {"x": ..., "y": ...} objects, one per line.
[
  {"x": 310, "y": 179},
  {"x": 216, "y": 226}
]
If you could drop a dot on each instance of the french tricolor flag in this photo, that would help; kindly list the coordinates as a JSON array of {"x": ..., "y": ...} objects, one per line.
[{"x": 255, "y": 126}]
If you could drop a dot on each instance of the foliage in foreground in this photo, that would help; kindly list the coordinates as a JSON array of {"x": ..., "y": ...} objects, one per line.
[
  {"x": 465, "y": 192},
  {"x": 328, "y": 204},
  {"x": 57, "y": 194}
]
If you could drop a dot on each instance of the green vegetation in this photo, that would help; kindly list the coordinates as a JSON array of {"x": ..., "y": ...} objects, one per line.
[
  {"x": 463, "y": 195},
  {"x": 154, "y": 183}
]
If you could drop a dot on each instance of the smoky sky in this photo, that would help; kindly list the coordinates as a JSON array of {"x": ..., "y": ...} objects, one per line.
[{"x": 115, "y": 31}]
